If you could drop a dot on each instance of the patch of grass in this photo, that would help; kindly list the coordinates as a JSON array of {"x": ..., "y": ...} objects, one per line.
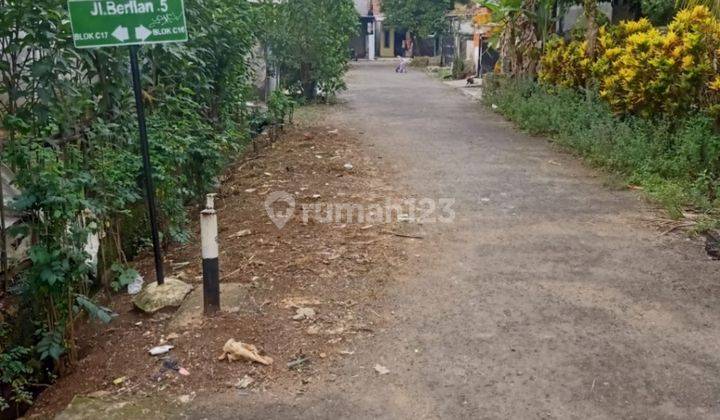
[
  {"x": 677, "y": 163},
  {"x": 420, "y": 62},
  {"x": 441, "y": 73},
  {"x": 615, "y": 181},
  {"x": 705, "y": 224}
]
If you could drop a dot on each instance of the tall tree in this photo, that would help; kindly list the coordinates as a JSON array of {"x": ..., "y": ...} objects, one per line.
[
  {"x": 419, "y": 17},
  {"x": 309, "y": 41},
  {"x": 517, "y": 39}
]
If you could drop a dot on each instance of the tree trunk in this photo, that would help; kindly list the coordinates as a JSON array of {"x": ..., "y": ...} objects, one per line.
[
  {"x": 591, "y": 35},
  {"x": 519, "y": 53},
  {"x": 507, "y": 48},
  {"x": 308, "y": 84},
  {"x": 518, "y": 48}
]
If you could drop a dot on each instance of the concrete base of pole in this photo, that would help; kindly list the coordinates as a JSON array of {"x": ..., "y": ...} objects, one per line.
[{"x": 235, "y": 298}]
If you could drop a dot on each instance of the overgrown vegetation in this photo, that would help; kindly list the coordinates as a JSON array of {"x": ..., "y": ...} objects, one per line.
[
  {"x": 643, "y": 101},
  {"x": 676, "y": 162},
  {"x": 69, "y": 134},
  {"x": 659, "y": 12},
  {"x": 309, "y": 43},
  {"x": 642, "y": 70},
  {"x": 421, "y": 18},
  {"x": 521, "y": 28},
  {"x": 458, "y": 68},
  {"x": 16, "y": 372}
]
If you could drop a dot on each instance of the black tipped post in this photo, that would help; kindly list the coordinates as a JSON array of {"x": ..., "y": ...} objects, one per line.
[{"x": 210, "y": 256}]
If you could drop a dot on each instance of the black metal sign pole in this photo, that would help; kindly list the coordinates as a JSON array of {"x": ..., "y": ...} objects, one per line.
[{"x": 147, "y": 167}]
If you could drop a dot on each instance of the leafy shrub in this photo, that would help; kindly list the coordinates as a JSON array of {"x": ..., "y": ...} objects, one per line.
[
  {"x": 309, "y": 42},
  {"x": 123, "y": 276},
  {"x": 659, "y": 12},
  {"x": 69, "y": 133},
  {"x": 647, "y": 72},
  {"x": 420, "y": 62},
  {"x": 565, "y": 64},
  {"x": 16, "y": 373},
  {"x": 610, "y": 44},
  {"x": 54, "y": 202},
  {"x": 280, "y": 106},
  {"x": 458, "y": 68},
  {"x": 644, "y": 71}
]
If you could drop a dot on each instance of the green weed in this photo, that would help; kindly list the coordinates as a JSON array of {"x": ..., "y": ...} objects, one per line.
[{"x": 677, "y": 163}]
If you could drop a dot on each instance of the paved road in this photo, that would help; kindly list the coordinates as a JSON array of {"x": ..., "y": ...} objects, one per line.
[{"x": 549, "y": 297}]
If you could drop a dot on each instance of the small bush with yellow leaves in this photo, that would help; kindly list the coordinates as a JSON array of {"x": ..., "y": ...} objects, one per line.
[
  {"x": 644, "y": 70},
  {"x": 565, "y": 64}
]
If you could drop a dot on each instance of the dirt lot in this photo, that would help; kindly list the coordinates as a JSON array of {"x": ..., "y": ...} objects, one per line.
[{"x": 337, "y": 269}]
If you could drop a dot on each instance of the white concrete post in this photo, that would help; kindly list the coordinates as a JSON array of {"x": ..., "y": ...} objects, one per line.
[
  {"x": 210, "y": 256},
  {"x": 371, "y": 45}
]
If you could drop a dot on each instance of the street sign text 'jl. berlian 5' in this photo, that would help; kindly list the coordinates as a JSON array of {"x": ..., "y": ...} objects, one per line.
[{"x": 108, "y": 23}]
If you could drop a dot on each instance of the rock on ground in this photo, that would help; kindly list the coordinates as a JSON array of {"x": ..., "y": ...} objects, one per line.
[{"x": 155, "y": 297}]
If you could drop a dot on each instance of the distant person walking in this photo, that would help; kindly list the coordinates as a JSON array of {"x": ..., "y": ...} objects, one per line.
[{"x": 402, "y": 67}]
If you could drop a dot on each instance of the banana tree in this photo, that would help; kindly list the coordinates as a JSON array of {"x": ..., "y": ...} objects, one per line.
[{"x": 522, "y": 23}]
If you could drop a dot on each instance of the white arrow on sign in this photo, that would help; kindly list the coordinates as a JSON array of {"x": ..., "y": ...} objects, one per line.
[
  {"x": 142, "y": 33},
  {"x": 121, "y": 33}
]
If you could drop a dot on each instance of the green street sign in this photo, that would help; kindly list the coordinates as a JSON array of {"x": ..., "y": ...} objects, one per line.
[{"x": 105, "y": 23}]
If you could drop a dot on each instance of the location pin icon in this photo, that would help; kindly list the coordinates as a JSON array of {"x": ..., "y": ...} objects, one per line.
[{"x": 280, "y": 218}]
